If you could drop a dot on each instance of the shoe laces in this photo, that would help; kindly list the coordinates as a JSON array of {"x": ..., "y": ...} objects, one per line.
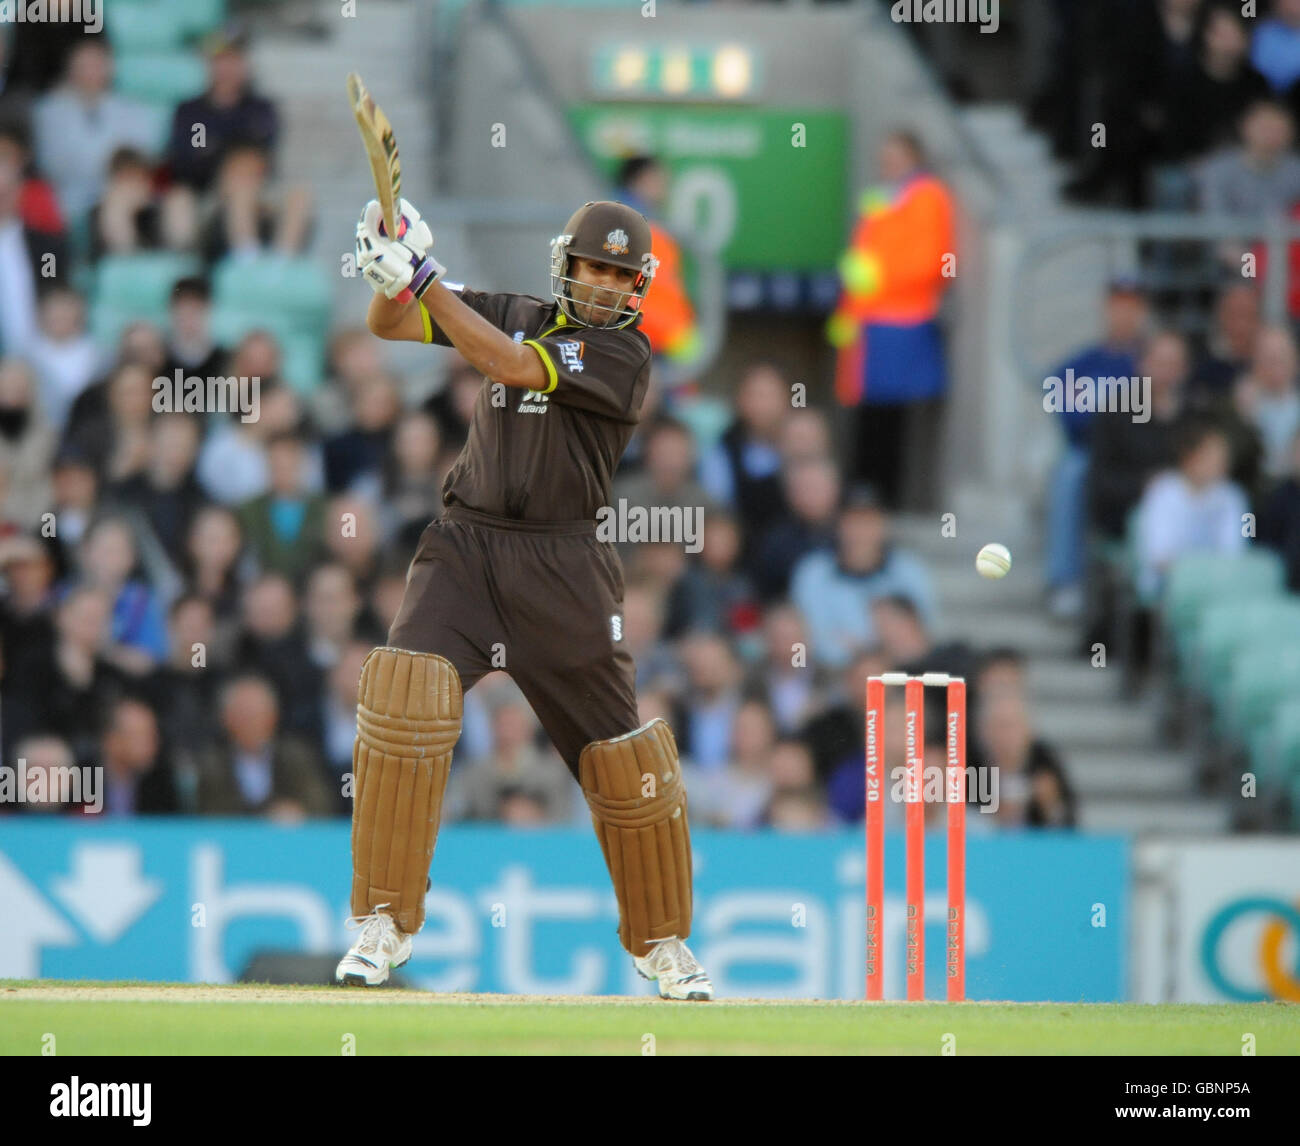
[{"x": 373, "y": 929}]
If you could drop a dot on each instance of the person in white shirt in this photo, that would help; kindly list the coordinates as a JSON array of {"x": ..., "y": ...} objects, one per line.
[
  {"x": 1192, "y": 508},
  {"x": 81, "y": 123}
]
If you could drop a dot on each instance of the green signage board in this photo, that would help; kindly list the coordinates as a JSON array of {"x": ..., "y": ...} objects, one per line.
[{"x": 767, "y": 187}]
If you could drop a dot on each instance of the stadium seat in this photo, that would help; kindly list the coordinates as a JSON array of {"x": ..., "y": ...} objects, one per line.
[
  {"x": 302, "y": 351},
  {"x": 1226, "y": 626},
  {"x": 1262, "y": 677},
  {"x": 294, "y": 287},
  {"x": 199, "y": 17},
  {"x": 1198, "y": 579},
  {"x": 1275, "y": 750},
  {"x": 128, "y": 287},
  {"x": 163, "y": 78},
  {"x": 143, "y": 26}
]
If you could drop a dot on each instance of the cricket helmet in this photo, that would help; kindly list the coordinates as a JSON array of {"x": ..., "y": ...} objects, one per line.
[{"x": 611, "y": 233}]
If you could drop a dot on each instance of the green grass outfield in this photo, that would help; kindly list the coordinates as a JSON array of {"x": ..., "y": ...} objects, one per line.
[{"x": 167, "y": 1019}]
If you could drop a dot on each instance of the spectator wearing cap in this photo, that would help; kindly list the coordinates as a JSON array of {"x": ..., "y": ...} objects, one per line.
[
  {"x": 834, "y": 590},
  {"x": 81, "y": 123},
  {"x": 1115, "y": 356},
  {"x": 256, "y": 769},
  {"x": 24, "y": 254},
  {"x": 229, "y": 111}
]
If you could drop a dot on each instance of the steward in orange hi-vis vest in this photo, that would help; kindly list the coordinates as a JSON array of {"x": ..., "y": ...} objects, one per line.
[{"x": 893, "y": 276}]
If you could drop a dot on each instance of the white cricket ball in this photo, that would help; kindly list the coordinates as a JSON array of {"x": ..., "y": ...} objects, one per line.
[{"x": 993, "y": 561}]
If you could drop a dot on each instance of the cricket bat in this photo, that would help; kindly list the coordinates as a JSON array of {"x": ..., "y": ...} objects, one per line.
[{"x": 385, "y": 163}]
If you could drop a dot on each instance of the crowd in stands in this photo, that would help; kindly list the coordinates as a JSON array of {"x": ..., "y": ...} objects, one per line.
[{"x": 187, "y": 598}]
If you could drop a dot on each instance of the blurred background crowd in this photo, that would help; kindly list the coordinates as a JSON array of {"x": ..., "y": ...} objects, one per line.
[{"x": 188, "y": 597}]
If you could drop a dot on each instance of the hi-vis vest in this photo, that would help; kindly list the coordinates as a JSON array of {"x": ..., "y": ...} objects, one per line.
[{"x": 668, "y": 317}]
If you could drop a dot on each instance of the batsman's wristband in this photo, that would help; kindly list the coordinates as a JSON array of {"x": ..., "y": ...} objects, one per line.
[{"x": 426, "y": 272}]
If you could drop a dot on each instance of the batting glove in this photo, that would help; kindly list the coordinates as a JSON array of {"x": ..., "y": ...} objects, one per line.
[{"x": 395, "y": 266}]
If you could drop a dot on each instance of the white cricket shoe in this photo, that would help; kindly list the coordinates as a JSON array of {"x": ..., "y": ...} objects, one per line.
[
  {"x": 673, "y": 969},
  {"x": 381, "y": 946}
]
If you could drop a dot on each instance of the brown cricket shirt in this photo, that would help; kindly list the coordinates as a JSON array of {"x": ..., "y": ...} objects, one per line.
[{"x": 549, "y": 455}]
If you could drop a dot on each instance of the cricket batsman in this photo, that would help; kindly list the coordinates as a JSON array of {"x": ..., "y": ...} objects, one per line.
[{"x": 514, "y": 564}]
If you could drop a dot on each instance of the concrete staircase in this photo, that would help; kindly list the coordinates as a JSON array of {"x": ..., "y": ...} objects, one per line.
[{"x": 1125, "y": 778}]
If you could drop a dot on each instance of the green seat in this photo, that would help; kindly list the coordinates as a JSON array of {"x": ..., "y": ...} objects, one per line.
[
  {"x": 1275, "y": 750},
  {"x": 162, "y": 78},
  {"x": 141, "y": 283},
  {"x": 199, "y": 17},
  {"x": 1198, "y": 579},
  {"x": 1262, "y": 678},
  {"x": 302, "y": 351},
  {"x": 143, "y": 26},
  {"x": 293, "y": 287},
  {"x": 1226, "y": 626},
  {"x": 129, "y": 287}
]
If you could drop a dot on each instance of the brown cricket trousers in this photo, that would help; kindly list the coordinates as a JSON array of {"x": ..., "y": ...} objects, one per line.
[{"x": 541, "y": 601}]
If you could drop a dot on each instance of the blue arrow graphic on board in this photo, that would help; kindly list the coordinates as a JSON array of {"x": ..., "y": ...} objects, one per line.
[{"x": 106, "y": 890}]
